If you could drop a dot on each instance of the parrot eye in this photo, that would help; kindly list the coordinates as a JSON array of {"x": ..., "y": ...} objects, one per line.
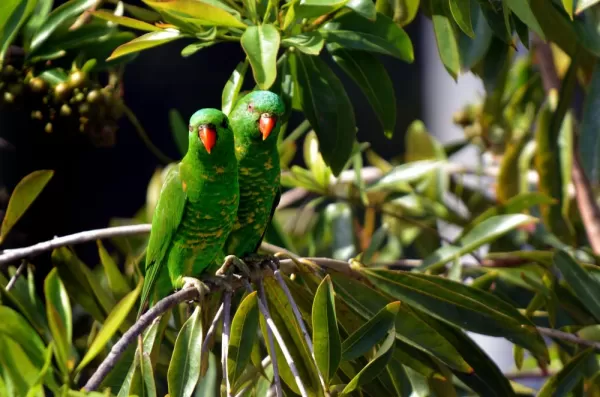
[{"x": 251, "y": 107}]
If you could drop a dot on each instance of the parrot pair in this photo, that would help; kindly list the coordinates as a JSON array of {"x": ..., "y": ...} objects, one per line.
[{"x": 221, "y": 196}]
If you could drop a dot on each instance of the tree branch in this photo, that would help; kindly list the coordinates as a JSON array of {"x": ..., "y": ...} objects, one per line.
[
  {"x": 554, "y": 333},
  {"x": 132, "y": 333}
]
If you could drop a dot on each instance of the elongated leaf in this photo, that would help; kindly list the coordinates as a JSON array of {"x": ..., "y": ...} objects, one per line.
[
  {"x": 583, "y": 284},
  {"x": 589, "y": 139},
  {"x": 370, "y": 75},
  {"x": 483, "y": 233},
  {"x": 15, "y": 367},
  {"x": 233, "y": 86},
  {"x": 326, "y": 336},
  {"x": 582, "y": 5},
  {"x": 364, "y": 338},
  {"x": 148, "y": 40},
  {"x": 284, "y": 319},
  {"x": 12, "y": 25},
  {"x": 445, "y": 35},
  {"x": 410, "y": 329},
  {"x": 111, "y": 326},
  {"x": 405, "y": 173},
  {"x": 375, "y": 366},
  {"x": 25, "y": 193},
  {"x": 562, "y": 383},
  {"x": 201, "y": 12},
  {"x": 364, "y": 8},
  {"x": 14, "y": 326},
  {"x": 184, "y": 369},
  {"x": 472, "y": 50},
  {"x": 463, "y": 306},
  {"x": 116, "y": 281},
  {"x": 243, "y": 335},
  {"x": 310, "y": 43},
  {"x": 381, "y": 36},
  {"x": 327, "y": 108},
  {"x": 58, "y": 310},
  {"x": 461, "y": 11},
  {"x": 315, "y": 8},
  {"x": 522, "y": 9},
  {"x": 56, "y": 18},
  {"x": 7, "y": 8},
  {"x": 179, "y": 130},
  {"x": 126, "y": 21},
  {"x": 132, "y": 375},
  {"x": 261, "y": 44}
]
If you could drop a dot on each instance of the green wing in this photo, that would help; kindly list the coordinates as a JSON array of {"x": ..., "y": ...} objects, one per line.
[
  {"x": 167, "y": 217},
  {"x": 273, "y": 208}
]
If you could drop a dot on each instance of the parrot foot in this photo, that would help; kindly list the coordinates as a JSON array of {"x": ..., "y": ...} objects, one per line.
[
  {"x": 191, "y": 282},
  {"x": 258, "y": 261},
  {"x": 235, "y": 262}
]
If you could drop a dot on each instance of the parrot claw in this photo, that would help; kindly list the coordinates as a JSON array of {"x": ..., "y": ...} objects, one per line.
[
  {"x": 232, "y": 260},
  {"x": 191, "y": 282}
]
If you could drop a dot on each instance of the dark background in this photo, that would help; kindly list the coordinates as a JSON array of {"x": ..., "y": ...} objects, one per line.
[{"x": 92, "y": 185}]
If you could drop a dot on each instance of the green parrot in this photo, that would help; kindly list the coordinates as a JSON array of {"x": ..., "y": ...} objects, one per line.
[
  {"x": 255, "y": 121},
  {"x": 196, "y": 209}
]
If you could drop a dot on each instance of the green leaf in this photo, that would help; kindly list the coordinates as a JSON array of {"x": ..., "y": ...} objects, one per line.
[
  {"x": 410, "y": 329},
  {"x": 261, "y": 44},
  {"x": 7, "y": 8},
  {"x": 16, "y": 369},
  {"x": 375, "y": 366},
  {"x": 401, "y": 11},
  {"x": 326, "y": 336},
  {"x": 116, "y": 281},
  {"x": 14, "y": 326},
  {"x": 58, "y": 310},
  {"x": 381, "y": 36},
  {"x": 401, "y": 175},
  {"x": 310, "y": 43},
  {"x": 461, "y": 11},
  {"x": 25, "y": 193},
  {"x": 200, "y": 12},
  {"x": 184, "y": 369},
  {"x": 16, "y": 14},
  {"x": 57, "y": 17},
  {"x": 193, "y": 48},
  {"x": 36, "y": 20},
  {"x": 460, "y": 305},
  {"x": 126, "y": 21},
  {"x": 364, "y": 8},
  {"x": 483, "y": 233},
  {"x": 144, "y": 42},
  {"x": 364, "y": 338},
  {"x": 562, "y": 383},
  {"x": 243, "y": 334},
  {"x": 316, "y": 8},
  {"x": 326, "y": 106},
  {"x": 522, "y": 9},
  {"x": 232, "y": 88},
  {"x": 583, "y": 284},
  {"x": 111, "y": 326},
  {"x": 371, "y": 76},
  {"x": 179, "y": 130},
  {"x": 472, "y": 50},
  {"x": 589, "y": 139},
  {"x": 582, "y": 5},
  {"x": 445, "y": 35}
]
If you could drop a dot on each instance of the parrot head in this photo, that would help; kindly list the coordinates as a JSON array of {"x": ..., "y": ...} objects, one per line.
[
  {"x": 257, "y": 116},
  {"x": 209, "y": 133}
]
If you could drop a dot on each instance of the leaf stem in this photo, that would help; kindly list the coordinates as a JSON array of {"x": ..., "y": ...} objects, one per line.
[
  {"x": 565, "y": 336},
  {"x": 144, "y": 136}
]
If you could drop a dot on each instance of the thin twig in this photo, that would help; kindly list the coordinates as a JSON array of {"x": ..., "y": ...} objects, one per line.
[
  {"x": 262, "y": 306},
  {"x": 13, "y": 279},
  {"x": 132, "y": 333},
  {"x": 144, "y": 136},
  {"x": 225, "y": 339},
  {"x": 300, "y": 321},
  {"x": 10, "y": 255},
  {"x": 554, "y": 333},
  {"x": 211, "y": 329}
]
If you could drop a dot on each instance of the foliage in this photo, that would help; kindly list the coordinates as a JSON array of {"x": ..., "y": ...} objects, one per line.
[{"x": 367, "y": 321}]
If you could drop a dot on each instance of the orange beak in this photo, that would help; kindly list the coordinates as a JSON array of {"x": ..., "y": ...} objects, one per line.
[
  {"x": 266, "y": 124},
  {"x": 208, "y": 136}
]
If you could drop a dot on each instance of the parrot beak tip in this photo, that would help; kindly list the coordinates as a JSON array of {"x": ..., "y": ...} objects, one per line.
[
  {"x": 208, "y": 136},
  {"x": 266, "y": 124}
]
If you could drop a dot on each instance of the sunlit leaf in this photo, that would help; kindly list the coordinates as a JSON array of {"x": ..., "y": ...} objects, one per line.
[
  {"x": 483, "y": 233},
  {"x": 110, "y": 326},
  {"x": 522, "y": 9},
  {"x": 261, "y": 44},
  {"x": 364, "y": 8},
  {"x": 126, "y": 21},
  {"x": 405, "y": 173},
  {"x": 315, "y": 8},
  {"x": 371, "y": 76},
  {"x": 184, "y": 368},
  {"x": 310, "y": 43},
  {"x": 461, "y": 12},
  {"x": 445, "y": 35},
  {"x": 24, "y": 194},
  {"x": 233, "y": 86},
  {"x": 146, "y": 41},
  {"x": 326, "y": 337},
  {"x": 458, "y": 304},
  {"x": 562, "y": 383},
  {"x": 116, "y": 281},
  {"x": 58, "y": 310},
  {"x": 401, "y": 11},
  {"x": 364, "y": 338},
  {"x": 200, "y": 12},
  {"x": 243, "y": 335},
  {"x": 582, "y": 5},
  {"x": 326, "y": 106},
  {"x": 14, "y": 326}
]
